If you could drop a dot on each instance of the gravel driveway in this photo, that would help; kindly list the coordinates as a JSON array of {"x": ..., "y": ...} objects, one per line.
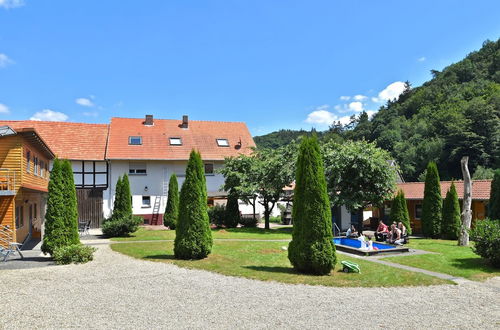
[{"x": 116, "y": 291}]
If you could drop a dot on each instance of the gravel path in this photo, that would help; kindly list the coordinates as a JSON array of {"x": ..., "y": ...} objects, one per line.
[{"x": 116, "y": 291}]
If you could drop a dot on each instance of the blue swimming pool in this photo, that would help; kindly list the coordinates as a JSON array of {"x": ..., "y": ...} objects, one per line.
[{"x": 354, "y": 246}]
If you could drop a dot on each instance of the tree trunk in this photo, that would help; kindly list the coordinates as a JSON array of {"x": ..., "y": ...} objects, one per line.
[
  {"x": 266, "y": 215},
  {"x": 463, "y": 240},
  {"x": 253, "y": 206}
]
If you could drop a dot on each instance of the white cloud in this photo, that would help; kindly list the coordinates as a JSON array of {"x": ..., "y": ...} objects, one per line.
[
  {"x": 323, "y": 117},
  {"x": 359, "y": 97},
  {"x": 4, "y": 108},
  {"x": 356, "y": 106},
  {"x": 345, "y": 98},
  {"x": 49, "y": 115},
  {"x": 370, "y": 113},
  {"x": 421, "y": 59},
  {"x": 4, "y": 59},
  {"x": 392, "y": 91},
  {"x": 84, "y": 102},
  {"x": 91, "y": 114},
  {"x": 8, "y": 4},
  {"x": 376, "y": 99}
]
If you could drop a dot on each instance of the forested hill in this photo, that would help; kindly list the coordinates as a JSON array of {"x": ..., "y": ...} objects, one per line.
[{"x": 454, "y": 114}]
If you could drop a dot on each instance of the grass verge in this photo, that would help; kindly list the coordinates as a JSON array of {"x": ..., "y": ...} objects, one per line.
[
  {"x": 448, "y": 258},
  {"x": 267, "y": 261},
  {"x": 145, "y": 234}
]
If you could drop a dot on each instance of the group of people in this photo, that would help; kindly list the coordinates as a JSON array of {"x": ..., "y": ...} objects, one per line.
[{"x": 396, "y": 235}]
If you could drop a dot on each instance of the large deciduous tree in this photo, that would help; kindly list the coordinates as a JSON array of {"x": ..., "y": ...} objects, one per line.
[
  {"x": 494, "y": 203},
  {"x": 450, "y": 227},
  {"x": 172, "y": 208},
  {"x": 311, "y": 249},
  {"x": 432, "y": 203},
  {"x": 358, "y": 174},
  {"x": 193, "y": 237}
]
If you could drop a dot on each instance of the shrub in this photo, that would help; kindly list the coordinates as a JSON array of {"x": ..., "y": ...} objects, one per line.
[
  {"x": 486, "y": 236},
  {"x": 249, "y": 222},
  {"x": 121, "y": 227},
  {"x": 216, "y": 215},
  {"x": 494, "y": 203},
  {"x": 232, "y": 216},
  {"x": 450, "y": 228},
  {"x": 54, "y": 236},
  {"x": 311, "y": 249},
  {"x": 432, "y": 204},
  {"x": 172, "y": 208},
  {"x": 193, "y": 237},
  {"x": 74, "y": 253},
  {"x": 275, "y": 219}
]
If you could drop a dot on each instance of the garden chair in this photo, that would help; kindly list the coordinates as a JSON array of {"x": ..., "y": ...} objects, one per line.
[
  {"x": 84, "y": 227},
  {"x": 7, "y": 246}
]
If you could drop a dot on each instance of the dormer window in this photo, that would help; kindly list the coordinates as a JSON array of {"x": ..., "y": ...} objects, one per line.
[
  {"x": 175, "y": 141},
  {"x": 222, "y": 142},
  {"x": 135, "y": 140}
]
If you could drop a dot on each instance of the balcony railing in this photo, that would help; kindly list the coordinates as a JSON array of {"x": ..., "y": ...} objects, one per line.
[{"x": 7, "y": 181}]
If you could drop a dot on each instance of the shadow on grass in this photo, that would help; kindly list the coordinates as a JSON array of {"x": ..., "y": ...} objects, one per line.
[
  {"x": 161, "y": 257},
  {"x": 473, "y": 263},
  {"x": 255, "y": 230},
  {"x": 275, "y": 269}
]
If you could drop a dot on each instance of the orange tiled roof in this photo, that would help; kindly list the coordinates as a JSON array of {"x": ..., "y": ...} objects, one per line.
[
  {"x": 200, "y": 135},
  {"x": 480, "y": 189},
  {"x": 75, "y": 141}
]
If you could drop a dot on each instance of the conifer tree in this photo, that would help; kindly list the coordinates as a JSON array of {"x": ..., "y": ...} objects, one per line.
[
  {"x": 172, "y": 208},
  {"x": 193, "y": 237},
  {"x": 432, "y": 204},
  {"x": 232, "y": 216},
  {"x": 126, "y": 198},
  {"x": 405, "y": 215},
  {"x": 117, "y": 206},
  {"x": 494, "y": 203},
  {"x": 54, "y": 235},
  {"x": 450, "y": 228},
  {"x": 70, "y": 203},
  {"x": 311, "y": 249}
]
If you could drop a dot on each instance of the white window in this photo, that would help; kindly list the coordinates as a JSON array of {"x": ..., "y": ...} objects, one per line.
[
  {"x": 146, "y": 201},
  {"x": 137, "y": 169},
  {"x": 209, "y": 169},
  {"x": 222, "y": 142},
  {"x": 35, "y": 162},
  {"x": 418, "y": 211},
  {"x": 175, "y": 141},
  {"x": 135, "y": 140}
]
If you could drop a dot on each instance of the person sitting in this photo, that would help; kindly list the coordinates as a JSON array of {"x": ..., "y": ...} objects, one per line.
[
  {"x": 404, "y": 232},
  {"x": 395, "y": 235},
  {"x": 352, "y": 232},
  {"x": 381, "y": 232}
]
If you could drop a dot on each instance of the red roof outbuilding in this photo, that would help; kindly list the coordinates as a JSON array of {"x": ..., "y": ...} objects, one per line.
[{"x": 415, "y": 190}]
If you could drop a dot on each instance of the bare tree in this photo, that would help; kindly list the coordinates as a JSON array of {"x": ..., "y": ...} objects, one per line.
[{"x": 463, "y": 240}]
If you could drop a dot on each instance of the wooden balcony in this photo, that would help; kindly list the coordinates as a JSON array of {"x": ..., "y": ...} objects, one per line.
[{"x": 8, "y": 182}]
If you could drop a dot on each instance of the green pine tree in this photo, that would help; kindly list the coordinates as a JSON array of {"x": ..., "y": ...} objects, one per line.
[
  {"x": 311, "y": 249},
  {"x": 450, "y": 228},
  {"x": 494, "y": 203},
  {"x": 432, "y": 204},
  {"x": 193, "y": 237},
  {"x": 126, "y": 198},
  {"x": 54, "y": 235},
  {"x": 70, "y": 203},
  {"x": 399, "y": 211},
  {"x": 172, "y": 208},
  {"x": 396, "y": 209},
  {"x": 117, "y": 206},
  {"x": 232, "y": 216}
]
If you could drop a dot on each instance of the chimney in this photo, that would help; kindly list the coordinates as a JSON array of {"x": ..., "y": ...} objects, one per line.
[
  {"x": 185, "y": 121},
  {"x": 149, "y": 120}
]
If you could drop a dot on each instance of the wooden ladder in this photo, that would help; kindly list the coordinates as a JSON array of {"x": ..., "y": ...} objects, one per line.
[{"x": 156, "y": 211}]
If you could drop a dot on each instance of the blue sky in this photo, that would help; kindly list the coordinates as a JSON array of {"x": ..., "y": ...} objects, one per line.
[{"x": 272, "y": 64}]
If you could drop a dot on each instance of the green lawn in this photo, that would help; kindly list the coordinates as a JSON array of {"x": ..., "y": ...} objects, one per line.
[
  {"x": 450, "y": 259},
  {"x": 145, "y": 234},
  {"x": 267, "y": 261}
]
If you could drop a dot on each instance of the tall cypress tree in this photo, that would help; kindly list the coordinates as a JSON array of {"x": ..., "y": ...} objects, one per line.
[
  {"x": 126, "y": 198},
  {"x": 193, "y": 238},
  {"x": 396, "y": 209},
  {"x": 311, "y": 249},
  {"x": 54, "y": 234},
  {"x": 432, "y": 204},
  {"x": 494, "y": 203},
  {"x": 399, "y": 211},
  {"x": 117, "y": 205},
  {"x": 232, "y": 216},
  {"x": 71, "y": 204},
  {"x": 172, "y": 208},
  {"x": 450, "y": 228}
]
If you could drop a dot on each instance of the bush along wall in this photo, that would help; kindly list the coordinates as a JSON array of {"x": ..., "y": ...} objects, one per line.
[
  {"x": 193, "y": 237},
  {"x": 311, "y": 249}
]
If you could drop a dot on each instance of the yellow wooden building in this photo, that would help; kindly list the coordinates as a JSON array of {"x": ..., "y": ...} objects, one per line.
[{"x": 24, "y": 178}]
